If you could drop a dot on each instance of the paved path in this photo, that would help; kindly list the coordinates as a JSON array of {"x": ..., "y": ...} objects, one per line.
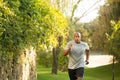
[{"x": 99, "y": 60}]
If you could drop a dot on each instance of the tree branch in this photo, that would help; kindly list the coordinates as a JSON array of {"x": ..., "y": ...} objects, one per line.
[
  {"x": 74, "y": 8},
  {"x": 85, "y": 13}
]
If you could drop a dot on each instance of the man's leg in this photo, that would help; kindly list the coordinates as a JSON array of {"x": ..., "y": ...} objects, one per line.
[
  {"x": 72, "y": 74},
  {"x": 80, "y": 72},
  {"x": 79, "y": 78}
]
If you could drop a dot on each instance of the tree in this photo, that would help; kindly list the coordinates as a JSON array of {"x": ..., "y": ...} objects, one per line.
[
  {"x": 60, "y": 36},
  {"x": 103, "y": 27},
  {"x": 26, "y": 25},
  {"x": 114, "y": 41},
  {"x": 114, "y": 45}
]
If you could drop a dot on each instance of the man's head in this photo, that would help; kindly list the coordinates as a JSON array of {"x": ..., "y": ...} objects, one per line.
[{"x": 77, "y": 37}]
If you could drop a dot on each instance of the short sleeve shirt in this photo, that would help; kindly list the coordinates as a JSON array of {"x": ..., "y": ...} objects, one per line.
[{"x": 76, "y": 55}]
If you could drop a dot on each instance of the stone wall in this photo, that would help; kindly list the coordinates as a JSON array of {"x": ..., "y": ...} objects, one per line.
[{"x": 20, "y": 67}]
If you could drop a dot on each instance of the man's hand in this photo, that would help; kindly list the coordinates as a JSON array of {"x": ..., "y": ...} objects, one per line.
[
  {"x": 68, "y": 50},
  {"x": 86, "y": 62}
]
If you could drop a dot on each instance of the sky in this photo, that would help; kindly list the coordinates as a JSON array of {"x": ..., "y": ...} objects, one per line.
[{"x": 92, "y": 6}]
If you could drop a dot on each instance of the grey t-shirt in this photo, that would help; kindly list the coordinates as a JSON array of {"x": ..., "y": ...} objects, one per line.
[{"x": 76, "y": 55}]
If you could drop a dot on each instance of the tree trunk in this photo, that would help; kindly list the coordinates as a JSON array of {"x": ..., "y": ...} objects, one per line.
[
  {"x": 55, "y": 61},
  {"x": 113, "y": 66},
  {"x": 22, "y": 66},
  {"x": 56, "y": 51}
]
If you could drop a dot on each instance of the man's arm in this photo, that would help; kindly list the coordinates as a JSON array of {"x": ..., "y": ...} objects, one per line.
[
  {"x": 87, "y": 56},
  {"x": 67, "y": 50}
]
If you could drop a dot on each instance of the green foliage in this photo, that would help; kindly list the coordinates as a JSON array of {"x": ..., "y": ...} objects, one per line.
[
  {"x": 63, "y": 62},
  {"x": 44, "y": 58},
  {"x": 114, "y": 6},
  {"x": 101, "y": 27},
  {"x": 25, "y": 23},
  {"x": 114, "y": 41}
]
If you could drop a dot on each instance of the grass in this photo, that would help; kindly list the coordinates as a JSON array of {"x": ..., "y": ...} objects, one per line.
[
  {"x": 98, "y": 73},
  {"x": 45, "y": 74}
]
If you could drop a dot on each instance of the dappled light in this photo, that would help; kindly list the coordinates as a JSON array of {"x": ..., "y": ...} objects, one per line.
[{"x": 35, "y": 33}]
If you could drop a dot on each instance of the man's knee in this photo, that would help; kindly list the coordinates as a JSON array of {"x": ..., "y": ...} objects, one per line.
[{"x": 79, "y": 78}]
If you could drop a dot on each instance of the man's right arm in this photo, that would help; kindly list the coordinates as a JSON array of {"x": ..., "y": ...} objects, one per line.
[{"x": 67, "y": 50}]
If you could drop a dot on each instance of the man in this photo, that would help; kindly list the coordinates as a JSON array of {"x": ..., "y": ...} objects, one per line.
[{"x": 76, "y": 50}]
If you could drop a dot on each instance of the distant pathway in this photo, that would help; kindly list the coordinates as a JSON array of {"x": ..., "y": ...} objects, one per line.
[{"x": 99, "y": 60}]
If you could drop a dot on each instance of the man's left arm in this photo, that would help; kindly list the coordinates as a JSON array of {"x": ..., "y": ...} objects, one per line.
[{"x": 87, "y": 56}]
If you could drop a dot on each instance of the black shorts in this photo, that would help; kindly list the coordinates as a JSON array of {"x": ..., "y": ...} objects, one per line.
[{"x": 74, "y": 73}]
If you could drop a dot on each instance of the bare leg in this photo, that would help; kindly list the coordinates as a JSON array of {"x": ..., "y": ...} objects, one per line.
[{"x": 79, "y": 78}]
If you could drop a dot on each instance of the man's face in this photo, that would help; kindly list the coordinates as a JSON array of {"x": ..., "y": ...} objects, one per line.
[{"x": 77, "y": 37}]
